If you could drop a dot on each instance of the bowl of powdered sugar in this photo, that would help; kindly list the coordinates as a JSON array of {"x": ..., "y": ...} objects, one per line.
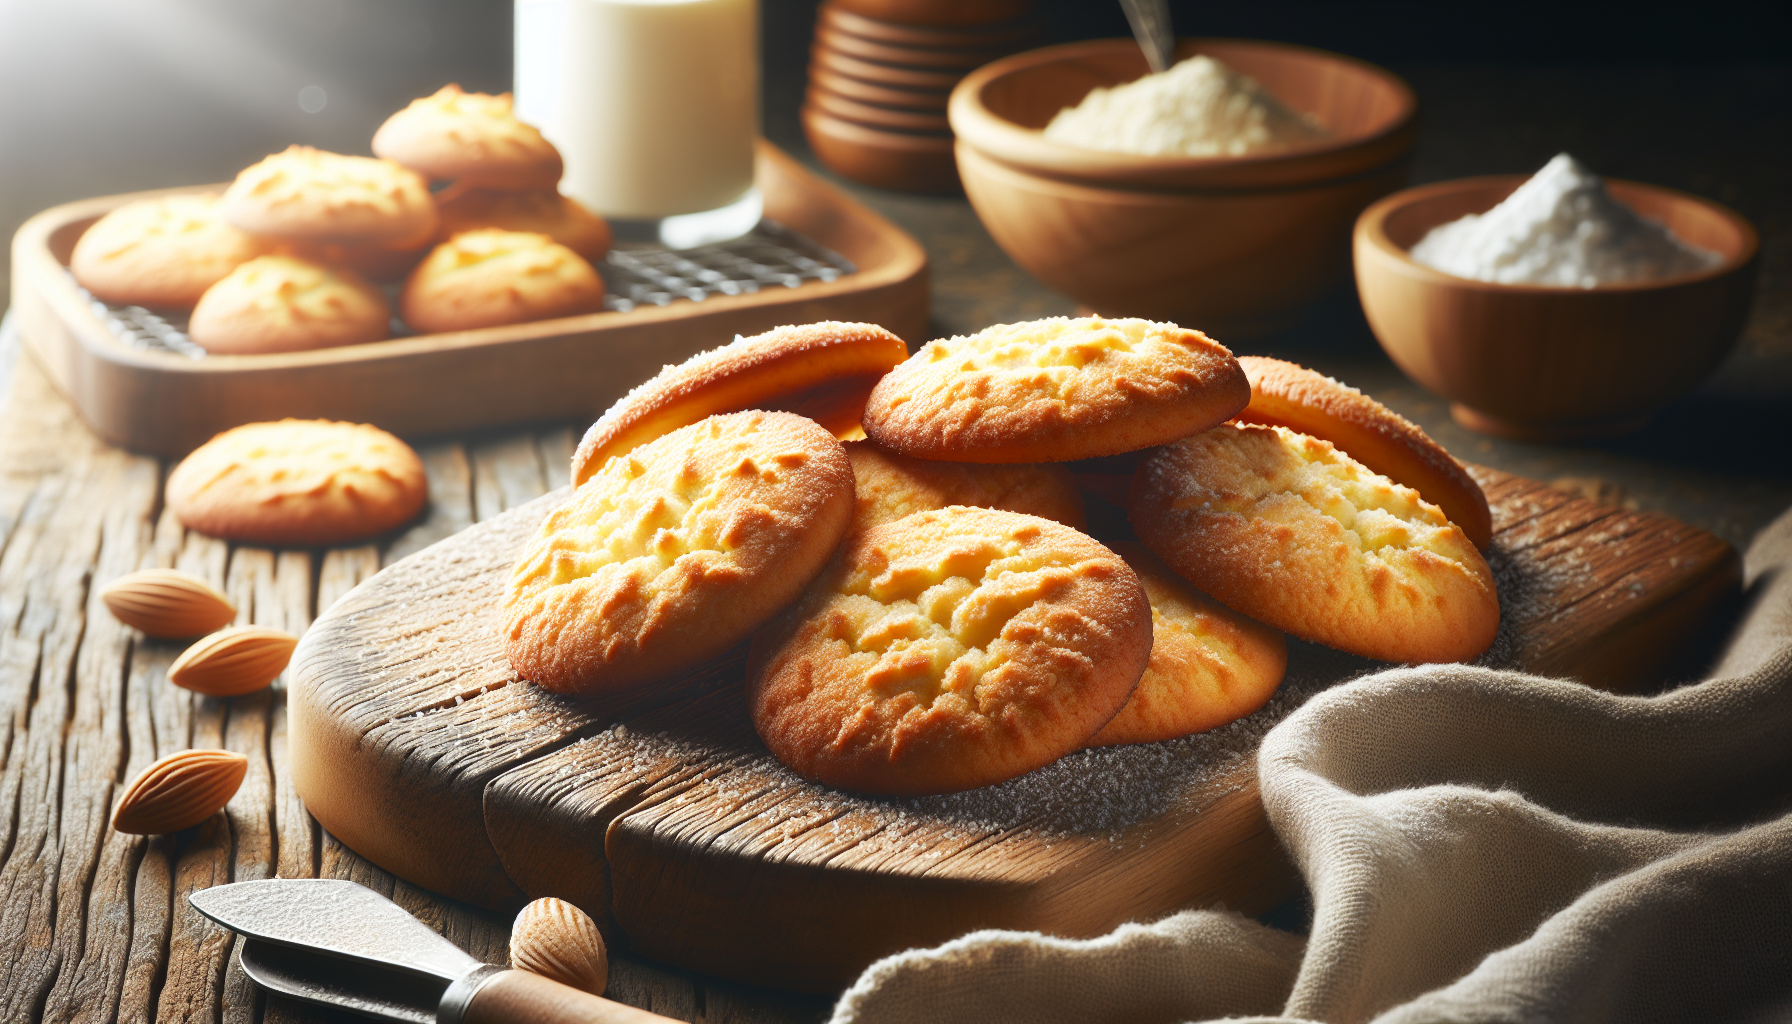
[
  {"x": 1557, "y": 307},
  {"x": 1218, "y": 194}
]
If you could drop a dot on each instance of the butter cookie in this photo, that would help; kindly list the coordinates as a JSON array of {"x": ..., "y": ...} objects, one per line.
[
  {"x": 287, "y": 304},
  {"x": 469, "y": 137},
  {"x": 488, "y": 277},
  {"x": 162, "y": 253},
  {"x": 306, "y": 194},
  {"x": 543, "y": 211},
  {"x": 890, "y": 486}
]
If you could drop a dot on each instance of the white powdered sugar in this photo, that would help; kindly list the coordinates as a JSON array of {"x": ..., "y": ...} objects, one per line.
[
  {"x": 1200, "y": 107},
  {"x": 1560, "y": 228}
]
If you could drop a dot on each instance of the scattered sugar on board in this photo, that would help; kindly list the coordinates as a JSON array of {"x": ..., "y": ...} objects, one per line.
[
  {"x": 1199, "y": 108},
  {"x": 1561, "y": 227}
]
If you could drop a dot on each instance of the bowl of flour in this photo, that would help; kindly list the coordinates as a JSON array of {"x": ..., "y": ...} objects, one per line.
[
  {"x": 1219, "y": 194},
  {"x": 1561, "y": 306}
]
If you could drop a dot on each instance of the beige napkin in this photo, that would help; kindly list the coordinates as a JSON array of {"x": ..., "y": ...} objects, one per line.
[{"x": 1480, "y": 846}]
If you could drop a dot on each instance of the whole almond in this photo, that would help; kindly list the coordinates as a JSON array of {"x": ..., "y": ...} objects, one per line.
[
  {"x": 233, "y": 661},
  {"x": 167, "y": 603},
  {"x": 557, "y": 940},
  {"x": 179, "y": 791}
]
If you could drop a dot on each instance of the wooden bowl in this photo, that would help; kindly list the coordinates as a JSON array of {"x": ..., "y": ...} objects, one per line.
[
  {"x": 874, "y": 116},
  {"x": 887, "y": 159},
  {"x": 970, "y": 37},
  {"x": 888, "y": 75},
  {"x": 867, "y": 92},
  {"x": 938, "y": 58},
  {"x": 937, "y": 13},
  {"x": 1553, "y": 363},
  {"x": 1233, "y": 264},
  {"x": 1000, "y": 108}
]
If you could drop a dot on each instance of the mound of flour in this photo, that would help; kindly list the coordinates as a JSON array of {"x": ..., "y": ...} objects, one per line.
[
  {"x": 1200, "y": 107},
  {"x": 1560, "y": 228}
]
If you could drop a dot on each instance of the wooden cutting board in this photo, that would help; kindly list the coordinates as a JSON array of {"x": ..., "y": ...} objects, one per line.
[{"x": 666, "y": 819}]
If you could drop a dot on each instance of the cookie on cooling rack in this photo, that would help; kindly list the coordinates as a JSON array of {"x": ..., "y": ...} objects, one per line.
[
  {"x": 469, "y": 137},
  {"x": 306, "y": 194},
  {"x": 298, "y": 483},
  {"x": 1209, "y": 664},
  {"x": 890, "y": 486},
  {"x": 675, "y": 551},
  {"x": 1055, "y": 390},
  {"x": 947, "y": 650},
  {"x": 1295, "y": 533},
  {"x": 543, "y": 211},
  {"x": 820, "y": 370},
  {"x": 488, "y": 277},
  {"x": 287, "y": 304},
  {"x": 162, "y": 252}
]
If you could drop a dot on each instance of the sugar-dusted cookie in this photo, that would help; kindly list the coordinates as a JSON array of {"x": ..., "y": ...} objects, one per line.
[
  {"x": 307, "y": 194},
  {"x": 1209, "y": 664},
  {"x": 1055, "y": 390},
  {"x": 1290, "y": 395},
  {"x": 287, "y": 304},
  {"x": 162, "y": 253},
  {"x": 676, "y": 551},
  {"x": 820, "y": 370},
  {"x": 890, "y": 486},
  {"x": 489, "y": 277},
  {"x": 947, "y": 650},
  {"x": 298, "y": 483},
  {"x": 544, "y": 211},
  {"x": 469, "y": 137},
  {"x": 1293, "y": 532}
]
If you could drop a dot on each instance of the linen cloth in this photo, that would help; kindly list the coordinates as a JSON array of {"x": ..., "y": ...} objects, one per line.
[{"x": 1480, "y": 846}]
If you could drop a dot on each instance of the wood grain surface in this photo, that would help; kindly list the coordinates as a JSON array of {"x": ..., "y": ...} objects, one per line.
[{"x": 664, "y": 816}]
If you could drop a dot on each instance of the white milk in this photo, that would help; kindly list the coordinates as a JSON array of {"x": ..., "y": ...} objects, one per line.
[{"x": 656, "y": 102}]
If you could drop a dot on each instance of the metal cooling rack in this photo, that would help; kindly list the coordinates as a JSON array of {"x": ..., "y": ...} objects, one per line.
[{"x": 770, "y": 256}]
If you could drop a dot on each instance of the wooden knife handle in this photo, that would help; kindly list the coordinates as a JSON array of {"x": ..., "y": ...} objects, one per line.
[{"x": 518, "y": 997}]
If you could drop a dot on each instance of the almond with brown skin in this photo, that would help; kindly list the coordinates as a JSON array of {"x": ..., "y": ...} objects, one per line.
[
  {"x": 179, "y": 791},
  {"x": 238, "y": 660},
  {"x": 557, "y": 940},
  {"x": 167, "y": 603}
]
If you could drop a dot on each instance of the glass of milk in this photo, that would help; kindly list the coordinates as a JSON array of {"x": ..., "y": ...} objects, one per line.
[{"x": 654, "y": 105}]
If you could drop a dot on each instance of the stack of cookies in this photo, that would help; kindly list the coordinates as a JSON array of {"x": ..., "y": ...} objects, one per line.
[
  {"x": 903, "y": 542},
  {"x": 292, "y": 255},
  {"x": 880, "y": 72}
]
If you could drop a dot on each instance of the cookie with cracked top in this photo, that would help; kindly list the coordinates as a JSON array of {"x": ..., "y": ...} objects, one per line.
[
  {"x": 304, "y": 194},
  {"x": 890, "y": 486},
  {"x": 1295, "y": 533},
  {"x": 162, "y": 252},
  {"x": 469, "y": 137}
]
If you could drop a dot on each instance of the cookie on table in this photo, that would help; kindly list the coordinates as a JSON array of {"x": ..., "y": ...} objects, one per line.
[
  {"x": 298, "y": 483},
  {"x": 469, "y": 137},
  {"x": 1055, "y": 390},
  {"x": 543, "y": 211},
  {"x": 947, "y": 650},
  {"x": 288, "y": 304},
  {"x": 820, "y": 370},
  {"x": 489, "y": 277},
  {"x": 890, "y": 486},
  {"x": 676, "y": 551},
  {"x": 306, "y": 194},
  {"x": 1290, "y": 395},
  {"x": 162, "y": 253},
  {"x": 1296, "y": 534},
  {"x": 1209, "y": 664}
]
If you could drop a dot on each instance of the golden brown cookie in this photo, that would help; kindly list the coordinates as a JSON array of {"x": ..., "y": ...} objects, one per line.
[
  {"x": 543, "y": 211},
  {"x": 676, "y": 551},
  {"x": 947, "y": 650},
  {"x": 470, "y": 137},
  {"x": 1209, "y": 664},
  {"x": 298, "y": 483},
  {"x": 287, "y": 304},
  {"x": 820, "y": 370},
  {"x": 890, "y": 486},
  {"x": 1290, "y": 395},
  {"x": 1293, "y": 532},
  {"x": 489, "y": 277},
  {"x": 162, "y": 253},
  {"x": 1055, "y": 390},
  {"x": 306, "y": 194}
]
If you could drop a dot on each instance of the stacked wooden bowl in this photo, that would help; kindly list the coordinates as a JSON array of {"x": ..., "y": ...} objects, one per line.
[{"x": 880, "y": 73}]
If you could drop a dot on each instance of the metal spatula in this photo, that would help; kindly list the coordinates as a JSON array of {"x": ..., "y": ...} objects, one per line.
[{"x": 1150, "y": 20}]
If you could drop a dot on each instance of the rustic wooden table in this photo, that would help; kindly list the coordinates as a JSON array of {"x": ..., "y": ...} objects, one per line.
[{"x": 94, "y": 925}]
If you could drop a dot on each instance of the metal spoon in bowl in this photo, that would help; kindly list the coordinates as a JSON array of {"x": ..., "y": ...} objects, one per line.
[{"x": 1150, "y": 20}]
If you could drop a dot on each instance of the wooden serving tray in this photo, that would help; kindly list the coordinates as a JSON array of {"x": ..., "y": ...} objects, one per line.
[
  {"x": 667, "y": 820},
  {"x": 566, "y": 369}
]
